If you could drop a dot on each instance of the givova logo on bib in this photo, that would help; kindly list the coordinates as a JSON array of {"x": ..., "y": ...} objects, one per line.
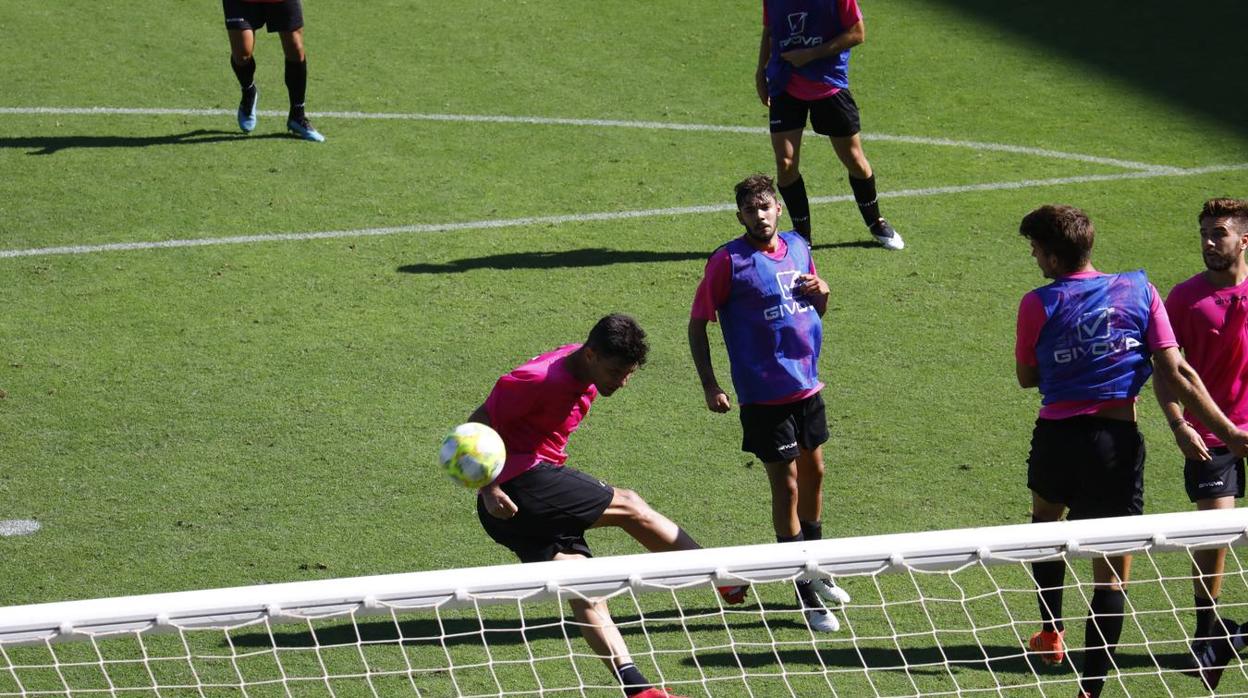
[
  {"x": 1095, "y": 338},
  {"x": 789, "y": 305},
  {"x": 797, "y": 33}
]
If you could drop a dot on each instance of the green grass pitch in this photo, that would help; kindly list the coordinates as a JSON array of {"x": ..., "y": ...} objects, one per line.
[{"x": 223, "y": 414}]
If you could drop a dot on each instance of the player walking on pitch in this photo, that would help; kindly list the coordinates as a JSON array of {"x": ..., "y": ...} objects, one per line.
[
  {"x": 1209, "y": 313},
  {"x": 539, "y": 508},
  {"x": 769, "y": 302},
  {"x": 803, "y": 68},
  {"x": 243, "y": 18},
  {"x": 1089, "y": 341}
]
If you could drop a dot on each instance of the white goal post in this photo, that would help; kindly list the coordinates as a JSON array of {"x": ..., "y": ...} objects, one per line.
[{"x": 933, "y": 613}]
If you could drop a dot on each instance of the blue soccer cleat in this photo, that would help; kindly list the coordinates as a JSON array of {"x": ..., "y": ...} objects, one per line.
[
  {"x": 303, "y": 129},
  {"x": 247, "y": 109}
]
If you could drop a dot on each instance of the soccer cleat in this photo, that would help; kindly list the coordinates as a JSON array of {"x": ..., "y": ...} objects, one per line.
[
  {"x": 1207, "y": 663},
  {"x": 303, "y": 129},
  {"x": 828, "y": 589},
  {"x": 247, "y": 109},
  {"x": 656, "y": 692},
  {"x": 1049, "y": 645},
  {"x": 733, "y": 595},
  {"x": 822, "y": 620},
  {"x": 884, "y": 234}
]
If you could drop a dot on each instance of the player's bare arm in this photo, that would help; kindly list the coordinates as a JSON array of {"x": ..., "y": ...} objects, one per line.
[
  {"x": 1028, "y": 375},
  {"x": 495, "y": 499},
  {"x": 813, "y": 289},
  {"x": 847, "y": 39},
  {"x": 1185, "y": 384},
  {"x": 700, "y": 347},
  {"x": 760, "y": 73},
  {"x": 1188, "y": 439}
]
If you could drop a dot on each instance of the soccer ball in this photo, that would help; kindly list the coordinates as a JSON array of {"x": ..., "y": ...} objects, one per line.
[{"x": 472, "y": 454}]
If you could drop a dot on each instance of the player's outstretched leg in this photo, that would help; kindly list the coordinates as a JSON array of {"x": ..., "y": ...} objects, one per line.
[{"x": 862, "y": 182}]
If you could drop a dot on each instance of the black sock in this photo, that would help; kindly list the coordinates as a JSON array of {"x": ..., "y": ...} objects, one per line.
[
  {"x": 1050, "y": 576},
  {"x": 297, "y": 87},
  {"x": 1206, "y": 618},
  {"x": 868, "y": 201},
  {"x": 1102, "y": 631},
  {"x": 812, "y": 530},
  {"x": 798, "y": 204},
  {"x": 805, "y": 592},
  {"x": 246, "y": 72},
  {"x": 631, "y": 679}
]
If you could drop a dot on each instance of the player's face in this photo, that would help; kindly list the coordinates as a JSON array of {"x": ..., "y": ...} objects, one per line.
[
  {"x": 1222, "y": 242},
  {"x": 610, "y": 374},
  {"x": 759, "y": 216}
]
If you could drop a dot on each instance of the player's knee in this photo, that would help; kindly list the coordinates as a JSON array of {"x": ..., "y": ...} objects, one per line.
[
  {"x": 635, "y": 508},
  {"x": 786, "y": 167}
]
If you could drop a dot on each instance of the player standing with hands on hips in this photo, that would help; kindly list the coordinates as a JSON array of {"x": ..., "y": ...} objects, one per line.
[
  {"x": 1089, "y": 342},
  {"x": 540, "y": 508},
  {"x": 1209, "y": 313},
  {"x": 769, "y": 301},
  {"x": 243, "y": 18},
  {"x": 803, "y": 68}
]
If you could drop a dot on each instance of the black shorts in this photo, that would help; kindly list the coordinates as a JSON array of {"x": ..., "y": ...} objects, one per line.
[
  {"x": 1221, "y": 477},
  {"x": 774, "y": 433},
  {"x": 284, "y": 16},
  {"x": 835, "y": 116},
  {"x": 556, "y": 505},
  {"x": 1093, "y": 465}
]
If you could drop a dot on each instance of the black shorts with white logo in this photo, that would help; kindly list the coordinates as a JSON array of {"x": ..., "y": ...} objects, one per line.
[
  {"x": 1223, "y": 476},
  {"x": 556, "y": 505},
  {"x": 284, "y": 16},
  {"x": 835, "y": 116},
  {"x": 774, "y": 433},
  {"x": 1093, "y": 465}
]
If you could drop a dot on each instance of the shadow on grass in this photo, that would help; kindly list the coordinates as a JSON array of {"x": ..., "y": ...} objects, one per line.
[
  {"x": 49, "y": 145},
  {"x": 1190, "y": 54},
  {"x": 589, "y": 257}
]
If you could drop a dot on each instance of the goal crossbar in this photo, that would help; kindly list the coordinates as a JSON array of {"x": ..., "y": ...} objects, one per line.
[{"x": 606, "y": 577}]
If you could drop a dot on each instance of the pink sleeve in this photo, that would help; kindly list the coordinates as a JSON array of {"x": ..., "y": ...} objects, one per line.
[
  {"x": 1031, "y": 318},
  {"x": 510, "y": 399},
  {"x": 849, "y": 11},
  {"x": 1160, "y": 333},
  {"x": 713, "y": 290}
]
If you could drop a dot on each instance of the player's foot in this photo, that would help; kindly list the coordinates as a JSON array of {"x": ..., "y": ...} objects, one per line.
[
  {"x": 822, "y": 620},
  {"x": 884, "y": 234},
  {"x": 1207, "y": 663},
  {"x": 303, "y": 129},
  {"x": 247, "y": 109},
  {"x": 656, "y": 692},
  {"x": 828, "y": 589},
  {"x": 733, "y": 595},
  {"x": 1050, "y": 645}
]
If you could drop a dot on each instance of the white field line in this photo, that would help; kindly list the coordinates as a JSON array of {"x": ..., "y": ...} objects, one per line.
[
  {"x": 593, "y": 123},
  {"x": 589, "y": 217}
]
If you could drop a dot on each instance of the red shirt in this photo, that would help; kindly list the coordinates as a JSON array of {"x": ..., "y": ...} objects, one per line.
[
  {"x": 1211, "y": 325},
  {"x": 535, "y": 408}
]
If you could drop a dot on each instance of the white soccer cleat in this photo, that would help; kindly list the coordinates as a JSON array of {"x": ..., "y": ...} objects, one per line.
[
  {"x": 822, "y": 620},
  {"x": 828, "y": 589},
  {"x": 888, "y": 238}
]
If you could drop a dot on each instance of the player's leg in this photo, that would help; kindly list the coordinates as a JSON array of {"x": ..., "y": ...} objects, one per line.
[
  {"x": 653, "y": 530},
  {"x": 1105, "y": 618},
  {"x": 1207, "y": 568},
  {"x": 837, "y": 118},
  {"x": 1050, "y": 576},
  {"x": 788, "y": 117},
  {"x": 289, "y": 26},
  {"x": 238, "y": 25}
]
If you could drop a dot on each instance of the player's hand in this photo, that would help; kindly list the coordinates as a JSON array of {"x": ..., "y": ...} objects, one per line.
[
  {"x": 800, "y": 57},
  {"x": 497, "y": 503},
  {"x": 760, "y": 86},
  {"x": 717, "y": 400},
  {"x": 1192, "y": 446},
  {"x": 1238, "y": 443},
  {"x": 810, "y": 285}
]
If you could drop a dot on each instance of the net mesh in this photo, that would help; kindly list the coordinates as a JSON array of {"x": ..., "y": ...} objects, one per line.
[{"x": 909, "y": 631}]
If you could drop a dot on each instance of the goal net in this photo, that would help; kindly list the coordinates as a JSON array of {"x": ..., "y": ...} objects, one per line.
[{"x": 938, "y": 613}]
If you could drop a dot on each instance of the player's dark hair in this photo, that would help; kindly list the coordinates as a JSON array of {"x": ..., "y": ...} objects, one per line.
[
  {"x": 1062, "y": 231},
  {"x": 1219, "y": 208},
  {"x": 754, "y": 187},
  {"x": 618, "y": 336}
]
